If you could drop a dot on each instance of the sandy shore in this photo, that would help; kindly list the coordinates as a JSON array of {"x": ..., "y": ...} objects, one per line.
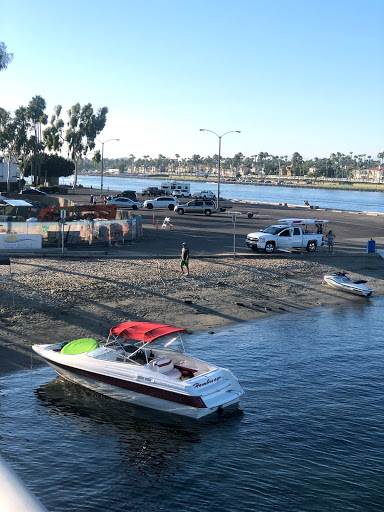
[
  {"x": 63, "y": 299},
  {"x": 58, "y": 300}
]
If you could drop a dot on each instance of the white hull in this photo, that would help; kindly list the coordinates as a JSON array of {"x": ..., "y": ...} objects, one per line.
[
  {"x": 193, "y": 398},
  {"x": 342, "y": 282}
]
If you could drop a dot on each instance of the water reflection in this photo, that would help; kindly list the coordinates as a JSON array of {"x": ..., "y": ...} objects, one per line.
[
  {"x": 309, "y": 437},
  {"x": 149, "y": 440}
]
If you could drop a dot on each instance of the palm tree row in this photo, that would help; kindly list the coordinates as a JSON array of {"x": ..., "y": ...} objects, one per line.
[{"x": 336, "y": 165}]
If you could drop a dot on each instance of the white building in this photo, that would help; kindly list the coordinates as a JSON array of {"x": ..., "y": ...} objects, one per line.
[{"x": 4, "y": 172}]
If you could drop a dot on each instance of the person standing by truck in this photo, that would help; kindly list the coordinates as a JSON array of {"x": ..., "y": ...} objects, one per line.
[{"x": 330, "y": 240}]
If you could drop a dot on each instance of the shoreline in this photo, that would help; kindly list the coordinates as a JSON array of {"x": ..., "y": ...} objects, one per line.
[
  {"x": 61, "y": 299},
  {"x": 315, "y": 186}
]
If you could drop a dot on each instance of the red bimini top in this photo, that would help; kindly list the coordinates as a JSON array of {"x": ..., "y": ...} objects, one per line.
[{"x": 143, "y": 331}]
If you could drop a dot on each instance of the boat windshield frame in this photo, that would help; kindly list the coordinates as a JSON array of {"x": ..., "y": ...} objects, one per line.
[{"x": 119, "y": 342}]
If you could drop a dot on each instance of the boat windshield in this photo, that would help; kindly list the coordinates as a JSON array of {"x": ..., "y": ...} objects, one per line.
[
  {"x": 273, "y": 230},
  {"x": 134, "y": 350},
  {"x": 169, "y": 343}
]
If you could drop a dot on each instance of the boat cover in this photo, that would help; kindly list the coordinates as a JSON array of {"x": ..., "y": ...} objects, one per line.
[
  {"x": 143, "y": 331},
  {"x": 302, "y": 222}
]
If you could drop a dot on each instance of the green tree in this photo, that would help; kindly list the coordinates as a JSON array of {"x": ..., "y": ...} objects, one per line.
[
  {"x": 53, "y": 134},
  {"x": 13, "y": 137},
  {"x": 248, "y": 164},
  {"x": 96, "y": 159},
  {"x": 237, "y": 161},
  {"x": 132, "y": 162},
  {"x": 53, "y": 166},
  {"x": 196, "y": 160},
  {"x": 296, "y": 162},
  {"x": 161, "y": 163},
  {"x": 5, "y": 57},
  {"x": 36, "y": 115},
  {"x": 83, "y": 128}
]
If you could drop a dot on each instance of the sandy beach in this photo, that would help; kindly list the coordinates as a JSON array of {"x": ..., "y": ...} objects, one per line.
[{"x": 59, "y": 299}]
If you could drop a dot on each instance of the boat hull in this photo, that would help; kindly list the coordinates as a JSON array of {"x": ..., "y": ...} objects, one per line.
[
  {"x": 348, "y": 286},
  {"x": 139, "y": 392}
]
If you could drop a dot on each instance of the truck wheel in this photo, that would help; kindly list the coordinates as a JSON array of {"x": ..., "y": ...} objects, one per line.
[
  {"x": 269, "y": 247},
  {"x": 150, "y": 206},
  {"x": 207, "y": 213},
  {"x": 311, "y": 247},
  {"x": 180, "y": 211}
]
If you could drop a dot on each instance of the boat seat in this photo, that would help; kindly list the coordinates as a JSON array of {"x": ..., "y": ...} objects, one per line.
[
  {"x": 165, "y": 366},
  {"x": 162, "y": 365},
  {"x": 174, "y": 373}
]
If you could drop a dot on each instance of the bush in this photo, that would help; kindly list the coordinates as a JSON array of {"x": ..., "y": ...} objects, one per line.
[{"x": 55, "y": 189}]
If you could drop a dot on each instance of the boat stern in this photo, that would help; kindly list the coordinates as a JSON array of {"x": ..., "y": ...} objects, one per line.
[{"x": 217, "y": 389}]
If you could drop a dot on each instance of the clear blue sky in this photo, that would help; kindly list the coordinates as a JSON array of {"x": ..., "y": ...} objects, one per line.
[{"x": 294, "y": 75}]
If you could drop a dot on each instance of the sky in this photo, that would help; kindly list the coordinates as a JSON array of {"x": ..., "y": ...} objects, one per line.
[{"x": 292, "y": 75}]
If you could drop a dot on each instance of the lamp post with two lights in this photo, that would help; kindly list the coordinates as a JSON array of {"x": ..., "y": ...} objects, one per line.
[{"x": 218, "y": 167}]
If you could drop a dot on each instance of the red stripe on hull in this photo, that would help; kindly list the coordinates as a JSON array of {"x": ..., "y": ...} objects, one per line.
[{"x": 170, "y": 396}]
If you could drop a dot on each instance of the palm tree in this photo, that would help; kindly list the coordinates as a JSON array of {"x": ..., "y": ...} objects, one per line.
[
  {"x": 132, "y": 163},
  {"x": 145, "y": 162}
]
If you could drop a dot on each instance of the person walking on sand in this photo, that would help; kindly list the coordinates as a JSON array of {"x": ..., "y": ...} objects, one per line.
[
  {"x": 330, "y": 240},
  {"x": 184, "y": 262}
]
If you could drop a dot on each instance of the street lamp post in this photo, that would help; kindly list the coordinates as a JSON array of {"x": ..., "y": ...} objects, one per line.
[
  {"x": 218, "y": 167},
  {"x": 102, "y": 163}
]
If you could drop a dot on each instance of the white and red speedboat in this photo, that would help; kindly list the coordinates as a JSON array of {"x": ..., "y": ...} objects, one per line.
[{"x": 138, "y": 365}]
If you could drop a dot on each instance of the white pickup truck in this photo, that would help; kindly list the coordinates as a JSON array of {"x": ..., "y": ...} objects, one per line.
[{"x": 288, "y": 234}]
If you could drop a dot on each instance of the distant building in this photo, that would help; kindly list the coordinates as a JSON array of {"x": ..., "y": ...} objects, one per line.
[
  {"x": 15, "y": 175},
  {"x": 375, "y": 174}
]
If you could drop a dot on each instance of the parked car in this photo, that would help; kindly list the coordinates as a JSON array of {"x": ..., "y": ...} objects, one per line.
[
  {"x": 33, "y": 191},
  {"x": 162, "y": 202},
  {"x": 181, "y": 193},
  {"x": 205, "y": 194},
  {"x": 152, "y": 191},
  {"x": 131, "y": 194},
  {"x": 197, "y": 206},
  {"x": 125, "y": 202}
]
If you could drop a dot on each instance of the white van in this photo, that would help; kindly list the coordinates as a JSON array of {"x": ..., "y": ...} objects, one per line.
[{"x": 176, "y": 188}]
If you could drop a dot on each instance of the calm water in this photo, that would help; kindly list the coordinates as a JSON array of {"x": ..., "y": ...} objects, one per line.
[
  {"x": 335, "y": 199},
  {"x": 309, "y": 435}
]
